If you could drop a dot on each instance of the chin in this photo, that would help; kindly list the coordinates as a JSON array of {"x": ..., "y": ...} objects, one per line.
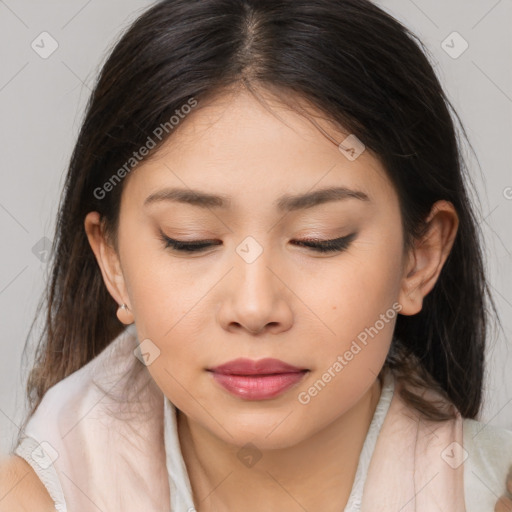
[{"x": 264, "y": 434}]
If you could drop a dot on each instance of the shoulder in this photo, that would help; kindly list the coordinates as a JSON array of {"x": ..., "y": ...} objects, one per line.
[
  {"x": 488, "y": 452},
  {"x": 21, "y": 489}
]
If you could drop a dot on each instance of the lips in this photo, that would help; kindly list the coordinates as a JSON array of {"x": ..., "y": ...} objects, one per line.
[
  {"x": 266, "y": 366},
  {"x": 257, "y": 380}
]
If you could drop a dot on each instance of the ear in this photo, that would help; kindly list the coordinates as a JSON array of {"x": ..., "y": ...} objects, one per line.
[
  {"x": 109, "y": 264},
  {"x": 426, "y": 258}
]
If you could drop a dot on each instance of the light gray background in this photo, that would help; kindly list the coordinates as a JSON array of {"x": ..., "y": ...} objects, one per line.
[{"x": 42, "y": 103}]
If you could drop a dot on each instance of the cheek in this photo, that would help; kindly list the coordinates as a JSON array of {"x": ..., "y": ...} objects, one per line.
[
  {"x": 165, "y": 305},
  {"x": 180, "y": 355},
  {"x": 357, "y": 300},
  {"x": 160, "y": 291},
  {"x": 356, "y": 288},
  {"x": 361, "y": 310}
]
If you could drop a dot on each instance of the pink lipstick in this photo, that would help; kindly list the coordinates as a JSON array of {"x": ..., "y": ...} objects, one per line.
[{"x": 257, "y": 380}]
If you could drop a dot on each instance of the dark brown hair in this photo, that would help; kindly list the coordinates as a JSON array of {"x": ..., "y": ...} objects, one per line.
[{"x": 361, "y": 69}]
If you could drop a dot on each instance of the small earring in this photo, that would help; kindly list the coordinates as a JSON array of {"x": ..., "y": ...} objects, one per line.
[{"x": 124, "y": 314}]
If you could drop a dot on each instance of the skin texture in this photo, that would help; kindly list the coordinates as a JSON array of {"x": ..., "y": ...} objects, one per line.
[
  {"x": 504, "y": 504},
  {"x": 20, "y": 488},
  {"x": 291, "y": 303}
]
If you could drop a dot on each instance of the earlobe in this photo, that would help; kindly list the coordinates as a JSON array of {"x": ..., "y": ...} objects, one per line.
[
  {"x": 109, "y": 264},
  {"x": 124, "y": 314},
  {"x": 427, "y": 257}
]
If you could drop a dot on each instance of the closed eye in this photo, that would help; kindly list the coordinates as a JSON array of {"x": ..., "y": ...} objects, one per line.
[
  {"x": 323, "y": 246},
  {"x": 336, "y": 244}
]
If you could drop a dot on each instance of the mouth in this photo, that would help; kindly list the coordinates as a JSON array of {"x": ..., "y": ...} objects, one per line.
[
  {"x": 267, "y": 366},
  {"x": 257, "y": 380}
]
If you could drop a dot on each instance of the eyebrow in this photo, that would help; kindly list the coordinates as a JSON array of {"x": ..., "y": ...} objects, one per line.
[{"x": 284, "y": 203}]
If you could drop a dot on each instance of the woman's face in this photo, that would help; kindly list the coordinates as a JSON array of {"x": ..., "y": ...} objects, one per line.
[{"x": 256, "y": 293}]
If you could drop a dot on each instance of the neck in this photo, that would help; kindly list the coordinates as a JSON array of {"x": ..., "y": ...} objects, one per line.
[{"x": 316, "y": 474}]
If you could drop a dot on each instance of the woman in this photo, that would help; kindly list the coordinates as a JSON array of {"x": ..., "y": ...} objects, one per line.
[{"x": 270, "y": 196}]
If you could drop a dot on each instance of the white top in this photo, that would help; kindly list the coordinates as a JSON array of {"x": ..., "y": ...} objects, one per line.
[{"x": 485, "y": 453}]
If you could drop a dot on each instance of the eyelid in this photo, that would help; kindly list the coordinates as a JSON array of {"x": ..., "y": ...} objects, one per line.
[
  {"x": 328, "y": 246},
  {"x": 172, "y": 242},
  {"x": 318, "y": 245}
]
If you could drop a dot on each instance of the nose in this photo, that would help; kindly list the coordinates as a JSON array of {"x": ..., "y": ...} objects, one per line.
[{"x": 255, "y": 298}]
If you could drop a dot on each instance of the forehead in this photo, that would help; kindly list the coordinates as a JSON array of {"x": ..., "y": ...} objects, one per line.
[{"x": 234, "y": 147}]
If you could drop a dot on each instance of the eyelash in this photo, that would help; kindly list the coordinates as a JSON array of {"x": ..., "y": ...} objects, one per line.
[{"x": 322, "y": 246}]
